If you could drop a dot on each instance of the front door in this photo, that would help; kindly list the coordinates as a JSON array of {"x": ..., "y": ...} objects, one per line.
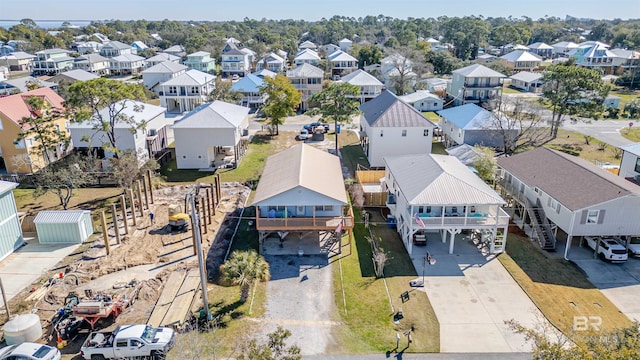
[{"x": 300, "y": 210}]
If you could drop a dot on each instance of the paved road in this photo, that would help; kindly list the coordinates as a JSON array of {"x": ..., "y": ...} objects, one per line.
[{"x": 604, "y": 130}]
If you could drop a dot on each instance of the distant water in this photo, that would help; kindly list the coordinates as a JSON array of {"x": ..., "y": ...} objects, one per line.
[{"x": 46, "y": 24}]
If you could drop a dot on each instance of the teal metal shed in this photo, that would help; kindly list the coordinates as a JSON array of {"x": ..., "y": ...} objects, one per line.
[
  {"x": 10, "y": 231},
  {"x": 63, "y": 226}
]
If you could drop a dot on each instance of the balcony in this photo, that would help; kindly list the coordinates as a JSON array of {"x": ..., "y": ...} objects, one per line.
[
  {"x": 317, "y": 223},
  {"x": 467, "y": 220}
]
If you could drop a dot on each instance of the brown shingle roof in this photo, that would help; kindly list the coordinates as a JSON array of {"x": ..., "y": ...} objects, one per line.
[{"x": 572, "y": 181}]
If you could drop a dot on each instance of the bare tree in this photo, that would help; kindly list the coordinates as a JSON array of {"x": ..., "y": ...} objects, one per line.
[
  {"x": 405, "y": 66},
  {"x": 519, "y": 123}
]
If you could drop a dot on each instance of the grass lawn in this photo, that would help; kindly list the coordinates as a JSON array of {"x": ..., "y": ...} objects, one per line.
[
  {"x": 575, "y": 143},
  {"x": 558, "y": 287},
  {"x": 632, "y": 134},
  {"x": 352, "y": 154},
  {"x": 438, "y": 148},
  {"x": 510, "y": 90},
  {"x": 431, "y": 115},
  {"x": 86, "y": 198},
  {"x": 625, "y": 95},
  {"x": 368, "y": 315},
  {"x": 234, "y": 328}
]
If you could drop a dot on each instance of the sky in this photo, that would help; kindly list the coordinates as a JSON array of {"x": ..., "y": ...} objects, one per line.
[{"x": 216, "y": 10}]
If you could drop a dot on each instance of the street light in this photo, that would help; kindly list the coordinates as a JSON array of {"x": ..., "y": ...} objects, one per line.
[{"x": 431, "y": 261}]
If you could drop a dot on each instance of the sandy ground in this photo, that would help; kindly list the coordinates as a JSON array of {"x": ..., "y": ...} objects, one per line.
[{"x": 145, "y": 257}]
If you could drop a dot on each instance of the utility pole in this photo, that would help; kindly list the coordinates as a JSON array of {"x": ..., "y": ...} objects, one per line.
[{"x": 198, "y": 240}]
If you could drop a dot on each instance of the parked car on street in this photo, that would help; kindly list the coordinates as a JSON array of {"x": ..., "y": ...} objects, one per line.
[
  {"x": 303, "y": 135},
  {"x": 30, "y": 351},
  {"x": 311, "y": 127},
  {"x": 608, "y": 249}
]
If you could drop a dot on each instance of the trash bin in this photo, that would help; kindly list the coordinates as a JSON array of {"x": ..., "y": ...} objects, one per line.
[
  {"x": 338, "y": 126},
  {"x": 391, "y": 221}
]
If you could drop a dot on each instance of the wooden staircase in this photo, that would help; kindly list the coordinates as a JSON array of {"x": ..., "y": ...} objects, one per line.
[{"x": 540, "y": 225}]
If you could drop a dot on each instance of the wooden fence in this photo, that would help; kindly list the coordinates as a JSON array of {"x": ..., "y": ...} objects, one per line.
[{"x": 372, "y": 177}]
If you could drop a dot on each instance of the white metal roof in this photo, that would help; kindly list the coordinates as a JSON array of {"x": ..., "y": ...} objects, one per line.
[
  {"x": 520, "y": 55},
  {"x": 127, "y": 58},
  {"x": 190, "y": 78},
  {"x": 477, "y": 70},
  {"x": 165, "y": 67},
  {"x": 340, "y": 55},
  {"x": 301, "y": 166},
  {"x": 79, "y": 75},
  {"x": 540, "y": 46},
  {"x": 138, "y": 111},
  {"x": 418, "y": 95},
  {"x": 159, "y": 57},
  {"x": 431, "y": 179},
  {"x": 361, "y": 78},
  {"x": 199, "y": 53},
  {"x": 632, "y": 148},
  {"x": 305, "y": 71},
  {"x": 60, "y": 216},
  {"x": 215, "y": 115},
  {"x": 6, "y": 186}
]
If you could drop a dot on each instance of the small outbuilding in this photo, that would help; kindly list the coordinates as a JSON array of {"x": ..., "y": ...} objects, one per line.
[{"x": 63, "y": 226}]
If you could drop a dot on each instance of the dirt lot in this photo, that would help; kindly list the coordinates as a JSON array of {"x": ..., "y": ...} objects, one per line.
[{"x": 145, "y": 257}]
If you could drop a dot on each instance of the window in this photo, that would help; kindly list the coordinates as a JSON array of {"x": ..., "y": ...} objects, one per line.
[
  {"x": 425, "y": 132},
  {"x": 592, "y": 216},
  {"x": 195, "y": 90},
  {"x": 637, "y": 169},
  {"x": 121, "y": 343},
  {"x": 277, "y": 208},
  {"x": 404, "y": 132},
  {"x": 173, "y": 90},
  {"x": 20, "y": 144},
  {"x": 324, "y": 207}
]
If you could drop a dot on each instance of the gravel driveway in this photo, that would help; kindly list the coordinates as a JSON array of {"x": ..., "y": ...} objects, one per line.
[{"x": 300, "y": 299}]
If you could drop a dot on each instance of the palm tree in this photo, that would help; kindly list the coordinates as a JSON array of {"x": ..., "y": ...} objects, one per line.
[{"x": 244, "y": 268}]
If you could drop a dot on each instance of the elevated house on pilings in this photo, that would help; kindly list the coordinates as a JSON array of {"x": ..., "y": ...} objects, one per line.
[{"x": 301, "y": 192}]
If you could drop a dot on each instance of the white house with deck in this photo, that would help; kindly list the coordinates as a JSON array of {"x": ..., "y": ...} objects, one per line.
[
  {"x": 475, "y": 83},
  {"x": 564, "y": 198},
  {"x": 308, "y": 80},
  {"x": 144, "y": 132},
  {"x": 369, "y": 87},
  {"x": 391, "y": 127},
  {"x": 211, "y": 136},
  {"x": 163, "y": 72},
  {"x": 431, "y": 193},
  {"x": 423, "y": 100},
  {"x": 301, "y": 189},
  {"x": 187, "y": 91}
]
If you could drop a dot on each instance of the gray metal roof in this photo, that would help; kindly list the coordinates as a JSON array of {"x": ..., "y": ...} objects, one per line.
[
  {"x": 118, "y": 45},
  {"x": 90, "y": 59},
  {"x": 540, "y": 46},
  {"x": 301, "y": 166},
  {"x": 431, "y": 179},
  {"x": 419, "y": 95},
  {"x": 78, "y": 75},
  {"x": 572, "y": 181},
  {"x": 465, "y": 153},
  {"x": 215, "y": 115},
  {"x": 159, "y": 57},
  {"x": 6, "y": 186},
  {"x": 59, "y": 216},
  {"x": 526, "y": 76},
  {"x": 477, "y": 70},
  {"x": 137, "y": 111},
  {"x": 387, "y": 110},
  {"x": 53, "y": 51},
  {"x": 127, "y": 58}
]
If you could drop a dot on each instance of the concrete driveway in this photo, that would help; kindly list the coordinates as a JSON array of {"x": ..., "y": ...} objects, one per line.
[
  {"x": 620, "y": 283},
  {"x": 300, "y": 299},
  {"x": 25, "y": 266},
  {"x": 472, "y": 296}
]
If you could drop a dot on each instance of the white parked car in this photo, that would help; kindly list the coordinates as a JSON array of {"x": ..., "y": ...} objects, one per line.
[
  {"x": 30, "y": 351},
  {"x": 303, "y": 135},
  {"x": 633, "y": 246},
  {"x": 608, "y": 249}
]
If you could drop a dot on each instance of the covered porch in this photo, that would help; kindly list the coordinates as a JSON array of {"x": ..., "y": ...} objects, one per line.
[{"x": 292, "y": 218}]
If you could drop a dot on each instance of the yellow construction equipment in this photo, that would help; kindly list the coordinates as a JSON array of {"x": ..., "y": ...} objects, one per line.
[{"x": 178, "y": 220}]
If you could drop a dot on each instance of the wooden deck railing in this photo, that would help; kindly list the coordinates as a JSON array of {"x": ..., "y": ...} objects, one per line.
[{"x": 304, "y": 223}]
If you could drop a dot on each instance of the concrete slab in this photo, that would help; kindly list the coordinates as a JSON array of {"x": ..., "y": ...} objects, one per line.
[
  {"x": 473, "y": 295},
  {"x": 25, "y": 266}
]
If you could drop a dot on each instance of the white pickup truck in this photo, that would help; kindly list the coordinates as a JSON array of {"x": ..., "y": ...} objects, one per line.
[
  {"x": 608, "y": 249},
  {"x": 129, "y": 341}
]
